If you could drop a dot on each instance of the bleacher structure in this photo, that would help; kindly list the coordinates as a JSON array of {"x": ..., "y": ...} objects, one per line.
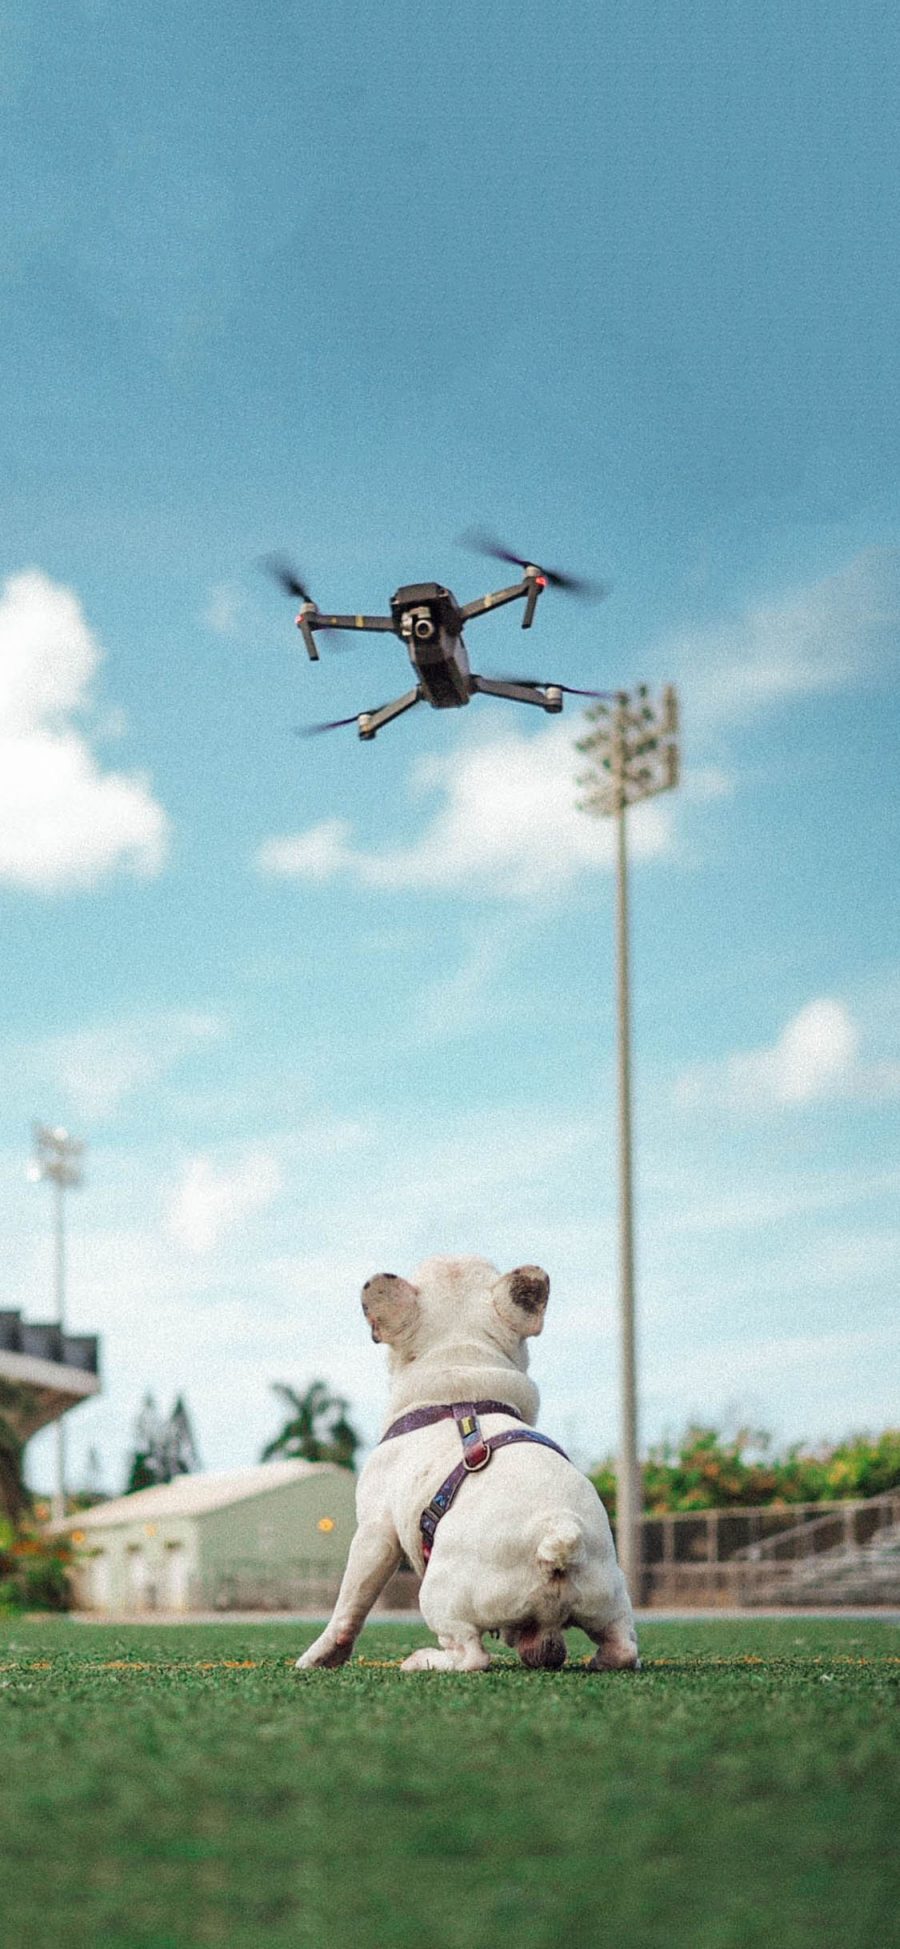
[
  {"x": 805, "y": 1554},
  {"x": 43, "y": 1372},
  {"x": 849, "y": 1555}
]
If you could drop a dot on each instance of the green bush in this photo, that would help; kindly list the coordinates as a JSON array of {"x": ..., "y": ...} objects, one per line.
[
  {"x": 34, "y": 1574},
  {"x": 705, "y": 1469}
]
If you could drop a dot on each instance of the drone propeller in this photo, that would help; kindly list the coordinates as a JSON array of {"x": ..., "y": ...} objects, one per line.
[
  {"x": 282, "y": 572},
  {"x": 483, "y": 543},
  {"x": 334, "y": 724},
  {"x": 549, "y": 683}
]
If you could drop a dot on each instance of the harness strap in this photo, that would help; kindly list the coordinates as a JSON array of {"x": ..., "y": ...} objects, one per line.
[
  {"x": 423, "y": 1417},
  {"x": 441, "y": 1501}
]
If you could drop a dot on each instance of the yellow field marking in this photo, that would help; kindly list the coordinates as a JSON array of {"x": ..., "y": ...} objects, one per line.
[
  {"x": 227, "y": 1665},
  {"x": 393, "y": 1664}
]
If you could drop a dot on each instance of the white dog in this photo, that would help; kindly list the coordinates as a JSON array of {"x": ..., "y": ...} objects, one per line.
[{"x": 525, "y": 1548}]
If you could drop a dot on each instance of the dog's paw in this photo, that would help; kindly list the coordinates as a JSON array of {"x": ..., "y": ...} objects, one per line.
[
  {"x": 462, "y": 1658},
  {"x": 429, "y": 1659},
  {"x": 325, "y": 1655},
  {"x": 619, "y": 1659}
]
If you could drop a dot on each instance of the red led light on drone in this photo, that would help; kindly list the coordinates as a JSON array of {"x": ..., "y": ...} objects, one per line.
[{"x": 541, "y": 581}]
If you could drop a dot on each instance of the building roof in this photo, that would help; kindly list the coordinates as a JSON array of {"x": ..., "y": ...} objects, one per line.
[{"x": 195, "y": 1495}]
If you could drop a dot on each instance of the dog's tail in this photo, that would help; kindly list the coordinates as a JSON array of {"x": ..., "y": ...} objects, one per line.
[{"x": 559, "y": 1548}]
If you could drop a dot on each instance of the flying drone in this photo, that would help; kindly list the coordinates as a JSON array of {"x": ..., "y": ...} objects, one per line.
[{"x": 429, "y": 621}]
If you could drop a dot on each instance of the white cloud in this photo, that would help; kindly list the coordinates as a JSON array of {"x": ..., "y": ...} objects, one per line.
[
  {"x": 63, "y": 822},
  {"x": 704, "y": 783},
  {"x": 767, "y": 1201},
  {"x": 222, "y": 609},
  {"x": 210, "y": 1201},
  {"x": 507, "y": 825},
  {"x": 455, "y": 1003},
  {"x": 713, "y": 1371},
  {"x": 815, "y": 1058},
  {"x": 99, "y": 1067},
  {"x": 839, "y": 630},
  {"x": 317, "y": 854},
  {"x": 280, "y": 1298}
]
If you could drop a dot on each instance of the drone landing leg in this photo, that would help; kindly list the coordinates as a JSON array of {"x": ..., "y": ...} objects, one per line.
[
  {"x": 549, "y": 697},
  {"x": 371, "y": 721}
]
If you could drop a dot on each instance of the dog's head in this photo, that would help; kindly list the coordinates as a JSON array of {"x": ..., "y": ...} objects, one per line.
[{"x": 457, "y": 1308}]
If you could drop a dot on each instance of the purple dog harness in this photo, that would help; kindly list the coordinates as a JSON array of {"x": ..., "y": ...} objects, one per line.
[{"x": 477, "y": 1451}]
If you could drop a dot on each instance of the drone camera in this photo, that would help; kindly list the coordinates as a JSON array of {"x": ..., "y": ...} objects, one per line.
[
  {"x": 423, "y": 629},
  {"x": 427, "y": 602}
]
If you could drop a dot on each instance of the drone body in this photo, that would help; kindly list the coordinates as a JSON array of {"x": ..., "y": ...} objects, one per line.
[{"x": 429, "y": 621}]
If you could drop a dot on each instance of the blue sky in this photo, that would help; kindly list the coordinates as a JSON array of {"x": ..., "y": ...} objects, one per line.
[{"x": 619, "y": 282}]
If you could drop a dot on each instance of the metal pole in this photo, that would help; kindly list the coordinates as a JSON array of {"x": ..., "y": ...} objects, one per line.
[
  {"x": 628, "y": 1504},
  {"x": 635, "y": 755},
  {"x": 58, "y": 1157},
  {"x": 59, "y": 1499}
]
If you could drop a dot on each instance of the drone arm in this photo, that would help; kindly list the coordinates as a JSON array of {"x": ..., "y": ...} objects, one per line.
[
  {"x": 496, "y": 599},
  {"x": 531, "y": 587},
  {"x": 546, "y": 696},
  {"x": 535, "y": 588},
  {"x": 353, "y": 622},
  {"x": 310, "y": 618},
  {"x": 371, "y": 721}
]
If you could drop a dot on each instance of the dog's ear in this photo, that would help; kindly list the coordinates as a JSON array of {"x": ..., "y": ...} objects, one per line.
[
  {"x": 520, "y": 1298},
  {"x": 391, "y": 1306}
]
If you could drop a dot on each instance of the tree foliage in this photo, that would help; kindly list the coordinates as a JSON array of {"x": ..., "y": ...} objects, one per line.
[
  {"x": 15, "y": 1499},
  {"x": 705, "y": 1469},
  {"x": 317, "y": 1428},
  {"x": 164, "y": 1446}
]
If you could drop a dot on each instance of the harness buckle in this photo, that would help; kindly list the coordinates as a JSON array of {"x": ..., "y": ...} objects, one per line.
[{"x": 476, "y": 1457}]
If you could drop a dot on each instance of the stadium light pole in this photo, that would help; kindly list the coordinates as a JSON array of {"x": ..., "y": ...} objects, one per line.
[
  {"x": 633, "y": 748},
  {"x": 57, "y": 1158}
]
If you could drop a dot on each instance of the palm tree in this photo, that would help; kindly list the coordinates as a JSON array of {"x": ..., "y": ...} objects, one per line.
[{"x": 317, "y": 1428}]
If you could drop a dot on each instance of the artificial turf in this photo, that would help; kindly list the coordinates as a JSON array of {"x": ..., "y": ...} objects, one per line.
[{"x": 182, "y": 1785}]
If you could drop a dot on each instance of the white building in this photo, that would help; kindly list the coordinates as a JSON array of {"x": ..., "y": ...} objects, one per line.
[{"x": 273, "y": 1537}]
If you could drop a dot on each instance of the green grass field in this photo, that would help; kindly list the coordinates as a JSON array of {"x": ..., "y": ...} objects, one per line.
[{"x": 182, "y": 1785}]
